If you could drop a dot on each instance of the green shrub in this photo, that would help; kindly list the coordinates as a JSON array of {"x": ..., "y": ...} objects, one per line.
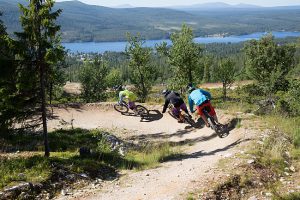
[
  {"x": 33, "y": 169},
  {"x": 294, "y": 94},
  {"x": 288, "y": 101},
  {"x": 251, "y": 90},
  {"x": 291, "y": 196}
]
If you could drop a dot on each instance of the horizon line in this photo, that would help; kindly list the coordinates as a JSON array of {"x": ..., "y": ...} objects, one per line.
[{"x": 181, "y": 5}]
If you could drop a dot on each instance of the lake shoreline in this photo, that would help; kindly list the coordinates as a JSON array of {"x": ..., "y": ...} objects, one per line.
[{"x": 119, "y": 46}]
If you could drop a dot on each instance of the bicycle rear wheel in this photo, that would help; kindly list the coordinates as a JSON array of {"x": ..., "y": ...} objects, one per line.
[
  {"x": 141, "y": 110},
  {"x": 222, "y": 131},
  {"x": 212, "y": 123},
  {"x": 121, "y": 108}
]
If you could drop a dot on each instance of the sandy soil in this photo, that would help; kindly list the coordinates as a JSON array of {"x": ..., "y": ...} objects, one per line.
[
  {"x": 173, "y": 179},
  {"x": 72, "y": 88}
]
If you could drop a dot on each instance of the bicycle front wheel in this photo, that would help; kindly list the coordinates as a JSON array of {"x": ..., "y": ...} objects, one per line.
[
  {"x": 141, "y": 110},
  {"x": 121, "y": 108}
]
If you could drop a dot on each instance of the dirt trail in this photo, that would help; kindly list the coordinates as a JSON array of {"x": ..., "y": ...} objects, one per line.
[{"x": 173, "y": 179}]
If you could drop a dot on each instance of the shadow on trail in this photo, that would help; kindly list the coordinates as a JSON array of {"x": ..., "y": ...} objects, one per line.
[
  {"x": 131, "y": 114},
  {"x": 153, "y": 115},
  {"x": 199, "y": 123},
  {"x": 193, "y": 140},
  {"x": 198, "y": 154},
  {"x": 77, "y": 106},
  {"x": 180, "y": 133},
  {"x": 159, "y": 136},
  {"x": 233, "y": 123},
  {"x": 51, "y": 114}
]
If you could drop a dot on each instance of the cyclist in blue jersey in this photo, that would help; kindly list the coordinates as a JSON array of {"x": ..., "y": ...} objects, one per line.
[{"x": 201, "y": 99}]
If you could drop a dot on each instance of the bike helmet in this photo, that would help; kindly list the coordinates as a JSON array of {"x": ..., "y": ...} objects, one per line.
[
  {"x": 119, "y": 87},
  {"x": 165, "y": 92},
  {"x": 190, "y": 87}
]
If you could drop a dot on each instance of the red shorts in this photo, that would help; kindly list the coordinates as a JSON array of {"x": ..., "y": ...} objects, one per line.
[{"x": 207, "y": 104}]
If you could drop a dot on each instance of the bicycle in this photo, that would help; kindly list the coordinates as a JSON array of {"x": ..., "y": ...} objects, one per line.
[
  {"x": 220, "y": 129},
  {"x": 182, "y": 115},
  {"x": 139, "y": 110}
]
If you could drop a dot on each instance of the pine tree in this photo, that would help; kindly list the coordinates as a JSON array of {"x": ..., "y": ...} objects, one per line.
[
  {"x": 93, "y": 79},
  {"x": 269, "y": 63},
  {"x": 141, "y": 73},
  {"x": 183, "y": 55},
  {"x": 207, "y": 68},
  {"x": 226, "y": 73},
  {"x": 39, "y": 51},
  {"x": 8, "y": 107}
]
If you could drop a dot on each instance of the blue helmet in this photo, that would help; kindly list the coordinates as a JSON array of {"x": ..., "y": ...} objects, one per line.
[{"x": 190, "y": 87}]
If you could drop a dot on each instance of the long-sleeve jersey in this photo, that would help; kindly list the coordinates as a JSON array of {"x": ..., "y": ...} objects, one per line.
[
  {"x": 128, "y": 94},
  {"x": 173, "y": 98},
  {"x": 197, "y": 97}
]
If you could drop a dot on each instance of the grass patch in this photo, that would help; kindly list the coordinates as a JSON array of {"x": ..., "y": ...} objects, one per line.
[
  {"x": 291, "y": 196},
  {"x": 288, "y": 125},
  {"x": 33, "y": 169},
  {"x": 64, "y": 145},
  {"x": 191, "y": 196},
  {"x": 152, "y": 155},
  {"x": 70, "y": 140},
  {"x": 60, "y": 140},
  {"x": 271, "y": 153}
]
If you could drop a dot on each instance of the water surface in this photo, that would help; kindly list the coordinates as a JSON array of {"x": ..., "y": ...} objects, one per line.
[{"x": 101, "y": 47}]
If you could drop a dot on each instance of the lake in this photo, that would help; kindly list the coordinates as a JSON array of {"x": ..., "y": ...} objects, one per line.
[{"x": 101, "y": 47}]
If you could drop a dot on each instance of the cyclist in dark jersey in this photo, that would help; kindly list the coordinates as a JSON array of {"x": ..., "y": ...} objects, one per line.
[{"x": 175, "y": 99}]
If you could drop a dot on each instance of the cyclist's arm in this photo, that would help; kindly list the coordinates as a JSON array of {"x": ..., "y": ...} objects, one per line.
[
  {"x": 121, "y": 96},
  {"x": 191, "y": 105},
  {"x": 206, "y": 93},
  {"x": 166, "y": 105}
]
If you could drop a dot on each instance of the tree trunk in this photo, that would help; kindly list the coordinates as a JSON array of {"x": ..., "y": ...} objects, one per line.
[
  {"x": 224, "y": 91},
  {"x": 43, "y": 109},
  {"x": 143, "y": 86},
  {"x": 50, "y": 93}
]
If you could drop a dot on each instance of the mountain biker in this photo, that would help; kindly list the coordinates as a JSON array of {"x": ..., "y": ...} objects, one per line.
[
  {"x": 129, "y": 95},
  {"x": 201, "y": 99},
  {"x": 175, "y": 99}
]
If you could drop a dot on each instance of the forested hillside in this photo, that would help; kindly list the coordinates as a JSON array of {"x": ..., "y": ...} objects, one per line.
[{"x": 82, "y": 22}]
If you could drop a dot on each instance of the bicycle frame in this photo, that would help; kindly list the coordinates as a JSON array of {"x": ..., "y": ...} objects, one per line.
[
  {"x": 124, "y": 103},
  {"x": 210, "y": 119},
  {"x": 220, "y": 129}
]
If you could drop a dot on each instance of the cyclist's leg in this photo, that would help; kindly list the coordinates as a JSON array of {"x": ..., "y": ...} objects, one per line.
[
  {"x": 199, "y": 110},
  {"x": 176, "y": 113},
  {"x": 121, "y": 97},
  {"x": 131, "y": 105},
  {"x": 184, "y": 108},
  {"x": 212, "y": 112}
]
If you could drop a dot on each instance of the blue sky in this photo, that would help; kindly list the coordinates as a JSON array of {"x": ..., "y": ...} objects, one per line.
[{"x": 154, "y": 3}]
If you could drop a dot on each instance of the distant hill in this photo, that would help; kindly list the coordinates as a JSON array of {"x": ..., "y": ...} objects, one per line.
[
  {"x": 123, "y": 6},
  {"x": 216, "y": 6},
  {"x": 82, "y": 22}
]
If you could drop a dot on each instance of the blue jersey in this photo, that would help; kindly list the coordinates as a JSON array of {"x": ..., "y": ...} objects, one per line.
[{"x": 197, "y": 97}]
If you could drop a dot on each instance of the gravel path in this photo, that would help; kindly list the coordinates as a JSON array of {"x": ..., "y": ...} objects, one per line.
[{"x": 173, "y": 179}]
